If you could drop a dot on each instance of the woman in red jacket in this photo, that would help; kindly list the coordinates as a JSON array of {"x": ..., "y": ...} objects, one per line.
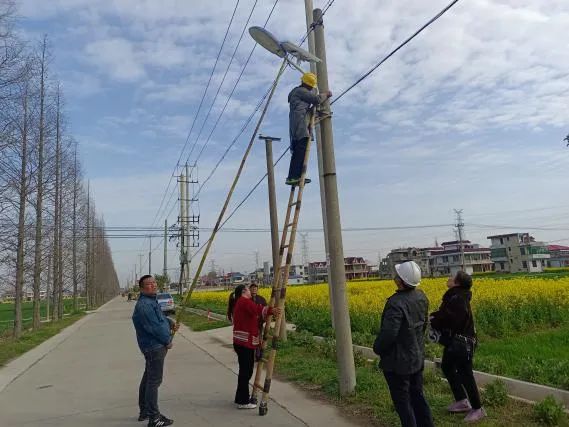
[{"x": 246, "y": 339}]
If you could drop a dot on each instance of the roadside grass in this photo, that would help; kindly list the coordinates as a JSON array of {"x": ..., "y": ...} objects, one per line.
[
  {"x": 313, "y": 367},
  {"x": 10, "y": 348},
  {"x": 7, "y": 312},
  {"x": 199, "y": 323},
  {"x": 540, "y": 357}
]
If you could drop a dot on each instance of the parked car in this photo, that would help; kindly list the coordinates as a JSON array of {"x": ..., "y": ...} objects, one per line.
[{"x": 166, "y": 303}]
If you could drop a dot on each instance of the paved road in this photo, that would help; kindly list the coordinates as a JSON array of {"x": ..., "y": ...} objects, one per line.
[{"x": 91, "y": 379}]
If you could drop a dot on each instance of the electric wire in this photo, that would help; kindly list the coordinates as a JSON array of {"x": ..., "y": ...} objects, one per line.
[{"x": 394, "y": 51}]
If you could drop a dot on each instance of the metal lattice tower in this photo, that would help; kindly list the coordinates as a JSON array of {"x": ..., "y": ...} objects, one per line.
[{"x": 305, "y": 254}]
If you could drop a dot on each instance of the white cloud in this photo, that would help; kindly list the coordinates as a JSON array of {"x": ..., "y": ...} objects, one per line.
[{"x": 117, "y": 58}]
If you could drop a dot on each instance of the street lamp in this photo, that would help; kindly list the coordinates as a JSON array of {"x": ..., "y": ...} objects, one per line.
[{"x": 282, "y": 49}]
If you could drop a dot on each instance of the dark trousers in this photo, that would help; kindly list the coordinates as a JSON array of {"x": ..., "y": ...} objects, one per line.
[
  {"x": 246, "y": 358},
  {"x": 409, "y": 400},
  {"x": 151, "y": 380},
  {"x": 298, "y": 148},
  {"x": 457, "y": 367}
]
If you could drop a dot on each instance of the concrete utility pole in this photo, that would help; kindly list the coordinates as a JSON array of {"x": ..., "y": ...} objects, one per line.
[
  {"x": 273, "y": 216},
  {"x": 140, "y": 265},
  {"x": 150, "y": 255},
  {"x": 183, "y": 233},
  {"x": 188, "y": 242},
  {"x": 460, "y": 226},
  {"x": 346, "y": 368},
  {"x": 308, "y": 6},
  {"x": 165, "y": 267}
]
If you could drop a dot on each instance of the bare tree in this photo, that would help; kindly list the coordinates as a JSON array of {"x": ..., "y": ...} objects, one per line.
[
  {"x": 40, "y": 178},
  {"x": 23, "y": 190}
]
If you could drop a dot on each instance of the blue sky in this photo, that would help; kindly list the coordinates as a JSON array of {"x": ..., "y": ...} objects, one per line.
[{"x": 470, "y": 115}]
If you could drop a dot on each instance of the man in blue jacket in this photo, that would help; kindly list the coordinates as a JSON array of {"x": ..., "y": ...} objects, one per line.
[{"x": 153, "y": 333}]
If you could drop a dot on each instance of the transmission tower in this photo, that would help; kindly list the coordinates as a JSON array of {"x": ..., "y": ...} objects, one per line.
[
  {"x": 305, "y": 255},
  {"x": 460, "y": 233}
]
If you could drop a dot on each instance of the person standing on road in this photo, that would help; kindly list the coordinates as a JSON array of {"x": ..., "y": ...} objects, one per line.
[
  {"x": 257, "y": 299},
  {"x": 401, "y": 346},
  {"x": 153, "y": 333},
  {"x": 455, "y": 325},
  {"x": 245, "y": 340},
  {"x": 302, "y": 100}
]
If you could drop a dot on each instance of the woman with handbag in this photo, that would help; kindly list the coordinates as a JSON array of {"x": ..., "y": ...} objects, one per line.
[{"x": 455, "y": 323}]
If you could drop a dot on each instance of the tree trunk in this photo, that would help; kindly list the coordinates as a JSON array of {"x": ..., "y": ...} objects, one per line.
[
  {"x": 21, "y": 224},
  {"x": 47, "y": 290},
  {"x": 39, "y": 201},
  {"x": 74, "y": 241},
  {"x": 88, "y": 252},
  {"x": 57, "y": 220},
  {"x": 60, "y": 210}
]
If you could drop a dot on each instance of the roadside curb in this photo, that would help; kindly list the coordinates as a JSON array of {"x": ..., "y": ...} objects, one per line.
[{"x": 15, "y": 368}]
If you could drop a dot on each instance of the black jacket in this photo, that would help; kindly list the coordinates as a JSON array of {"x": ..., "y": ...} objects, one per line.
[
  {"x": 400, "y": 342},
  {"x": 455, "y": 315}
]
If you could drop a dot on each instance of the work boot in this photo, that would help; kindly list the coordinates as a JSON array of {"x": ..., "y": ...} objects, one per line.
[
  {"x": 475, "y": 415},
  {"x": 460, "y": 406},
  {"x": 296, "y": 181},
  {"x": 161, "y": 421}
]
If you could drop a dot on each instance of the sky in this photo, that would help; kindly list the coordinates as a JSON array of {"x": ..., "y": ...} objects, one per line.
[{"x": 470, "y": 115}]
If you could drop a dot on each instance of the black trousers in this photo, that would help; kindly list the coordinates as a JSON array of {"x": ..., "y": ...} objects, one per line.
[
  {"x": 298, "y": 148},
  {"x": 409, "y": 400},
  {"x": 457, "y": 367},
  {"x": 246, "y": 358},
  {"x": 151, "y": 380}
]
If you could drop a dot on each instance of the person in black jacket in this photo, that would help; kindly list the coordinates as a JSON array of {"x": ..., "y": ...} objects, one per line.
[
  {"x": 401, "y": 346},
  {"x": 455, "y": 323}
]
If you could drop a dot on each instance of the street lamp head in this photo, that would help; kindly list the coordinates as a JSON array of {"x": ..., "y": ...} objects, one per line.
[
  {"x": 267, "y": 40},
  {"x": 281, "y": 49}
]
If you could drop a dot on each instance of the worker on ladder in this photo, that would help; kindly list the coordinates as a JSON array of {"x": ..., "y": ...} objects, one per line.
[{"x": 302, "y": 99}]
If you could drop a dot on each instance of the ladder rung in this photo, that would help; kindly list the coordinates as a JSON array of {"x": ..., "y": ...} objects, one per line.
[
  {"x": 295, "y": 203},
  {"x": 290, "y": 224},
  {"x": 284, "y": 246}
]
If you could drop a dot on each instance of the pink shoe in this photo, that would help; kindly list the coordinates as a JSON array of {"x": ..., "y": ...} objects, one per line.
[
  {"x": 460, "y": 406},
  {"x": 475, "y": 415}
]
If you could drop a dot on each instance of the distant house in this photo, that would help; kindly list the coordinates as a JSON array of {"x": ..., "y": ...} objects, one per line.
[
  {"x": 447, "y": 260},
  {"x": 355, "y": 267},
  {"x": 518, "y": 252},
  {"x": 559, "y": 256}
]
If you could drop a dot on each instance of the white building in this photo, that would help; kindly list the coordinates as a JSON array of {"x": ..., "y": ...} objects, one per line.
[{"x": 447, "y": 260}]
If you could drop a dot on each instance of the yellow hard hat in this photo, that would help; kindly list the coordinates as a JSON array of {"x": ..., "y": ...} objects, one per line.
[{"x": 309, "y": 79}]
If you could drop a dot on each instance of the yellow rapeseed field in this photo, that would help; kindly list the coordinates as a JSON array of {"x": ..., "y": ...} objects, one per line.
[{"x": 499, "y": 305}]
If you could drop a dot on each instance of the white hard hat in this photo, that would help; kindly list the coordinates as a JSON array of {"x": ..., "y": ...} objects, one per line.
[{"x": 409, "y": 272}]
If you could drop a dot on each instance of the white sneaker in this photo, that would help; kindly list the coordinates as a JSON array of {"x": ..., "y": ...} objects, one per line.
[{"x": 247, "y": 406}]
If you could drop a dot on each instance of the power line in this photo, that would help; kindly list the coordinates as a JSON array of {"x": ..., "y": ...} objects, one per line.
[
  {"x": 393, "y": 52},
  {"x": 219, "y": 117},
  {"x": 510, "y": 227},
  {"x": 198, "y": 111},
  {"x": 221, "y": 84}
]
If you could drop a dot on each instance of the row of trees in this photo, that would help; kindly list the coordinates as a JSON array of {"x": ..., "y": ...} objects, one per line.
[{"x": 51, "y": 239}]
